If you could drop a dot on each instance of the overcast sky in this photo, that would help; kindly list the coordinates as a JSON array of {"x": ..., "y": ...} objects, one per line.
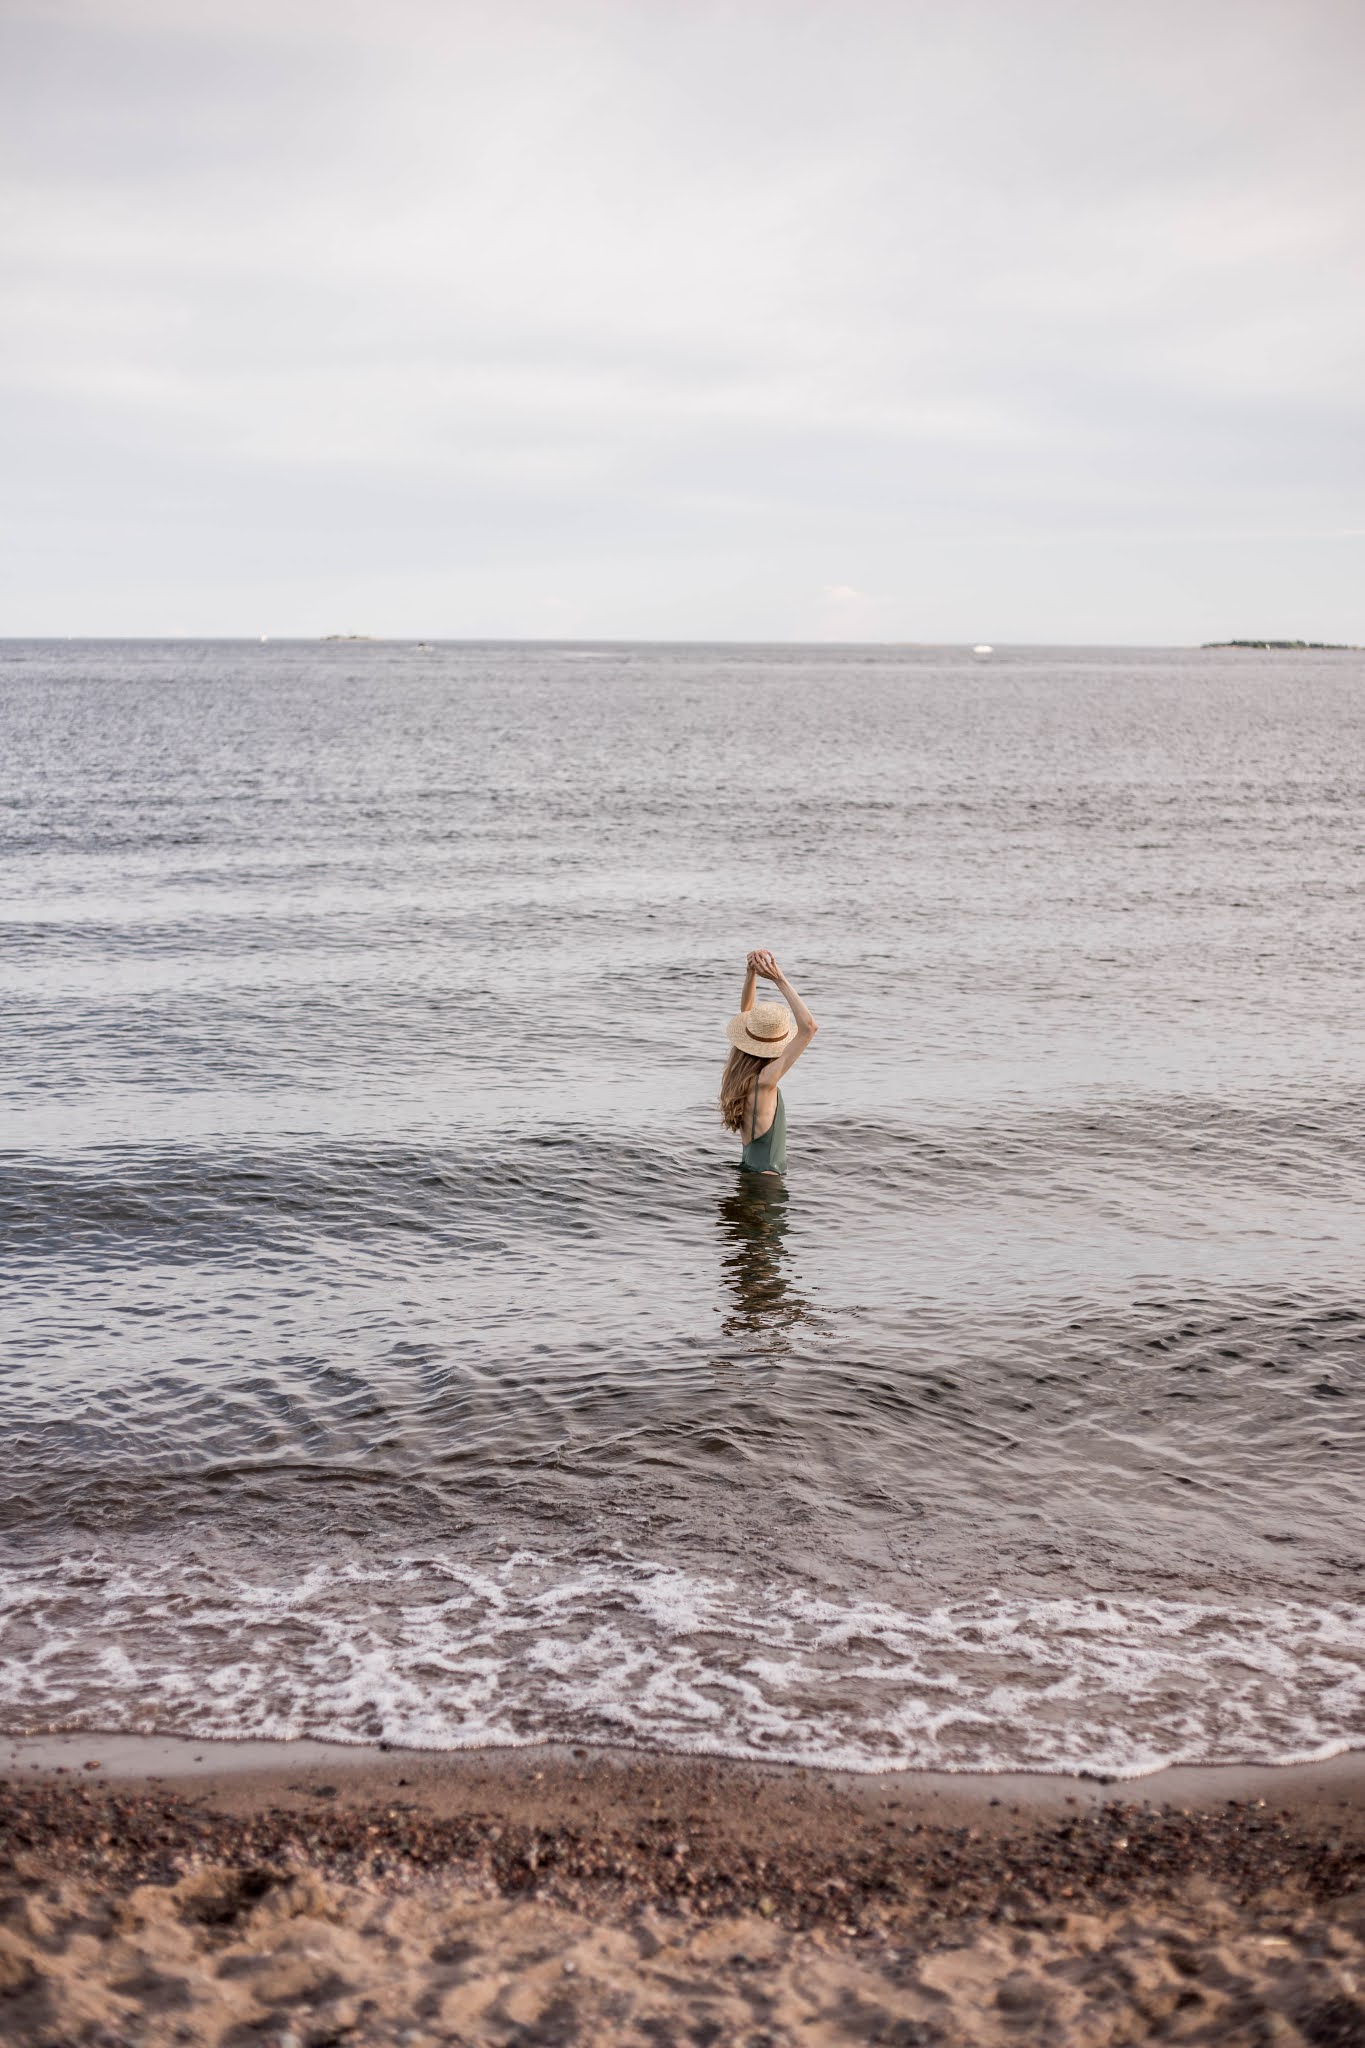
[{"x": 1000, "y": 319}]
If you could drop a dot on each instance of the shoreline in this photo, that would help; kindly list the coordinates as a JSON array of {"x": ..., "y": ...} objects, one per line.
[
  {"x": 237, "y": 1776},
  {"x": 291, "y": 1895}
]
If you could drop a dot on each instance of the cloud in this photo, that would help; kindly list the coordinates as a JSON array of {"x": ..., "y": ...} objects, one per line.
[{"x": 668, "y": 307}]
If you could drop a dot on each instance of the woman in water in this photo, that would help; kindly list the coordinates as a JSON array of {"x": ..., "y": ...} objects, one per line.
[{"x": 767, "y": 1039}]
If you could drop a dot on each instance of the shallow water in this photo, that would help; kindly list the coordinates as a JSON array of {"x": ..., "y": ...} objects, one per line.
[{"x": 391, "y": 1346}]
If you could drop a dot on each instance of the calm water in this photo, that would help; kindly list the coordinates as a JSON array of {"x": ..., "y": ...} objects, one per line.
[{"x": 391, "y": 1347}]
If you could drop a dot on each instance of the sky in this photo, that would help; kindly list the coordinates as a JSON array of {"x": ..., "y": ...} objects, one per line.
[{"x": 1005, "y": 320}]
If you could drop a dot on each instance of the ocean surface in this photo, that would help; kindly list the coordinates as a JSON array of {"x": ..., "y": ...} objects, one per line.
[{"x": 391, "y": 1349}]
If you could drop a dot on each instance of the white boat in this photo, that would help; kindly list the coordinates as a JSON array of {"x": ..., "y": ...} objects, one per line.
[{"x": 983, "y": 650}]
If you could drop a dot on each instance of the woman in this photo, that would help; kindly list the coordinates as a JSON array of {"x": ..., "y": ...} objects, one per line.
[{"x": 767, "y": 1039}]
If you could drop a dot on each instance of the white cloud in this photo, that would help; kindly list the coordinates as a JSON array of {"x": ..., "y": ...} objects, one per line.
[{"x": 698, "y": 297}]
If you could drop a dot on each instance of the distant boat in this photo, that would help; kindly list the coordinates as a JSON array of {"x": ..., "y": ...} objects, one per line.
[{"x": 983, "y": 649}]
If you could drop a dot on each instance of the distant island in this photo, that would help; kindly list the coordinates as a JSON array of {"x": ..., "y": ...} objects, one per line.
[
  {"x": 1318, "y": 646},
  {"x": 348, "y": 636}
]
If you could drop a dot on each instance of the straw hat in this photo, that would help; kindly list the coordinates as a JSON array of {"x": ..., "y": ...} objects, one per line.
[{"x": 764, "y": 1030}]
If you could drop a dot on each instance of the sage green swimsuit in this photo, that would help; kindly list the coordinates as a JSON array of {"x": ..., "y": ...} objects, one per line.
[{"x": 767, "y": 1154}]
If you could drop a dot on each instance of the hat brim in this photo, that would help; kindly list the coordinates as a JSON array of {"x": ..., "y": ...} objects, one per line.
[{"x": 763, "y": 1048}]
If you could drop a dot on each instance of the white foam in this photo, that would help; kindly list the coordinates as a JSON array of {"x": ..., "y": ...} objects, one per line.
[{"x": 431, "y": 1652}]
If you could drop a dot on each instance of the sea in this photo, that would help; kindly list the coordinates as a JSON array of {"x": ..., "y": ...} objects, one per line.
[{"x": 391, "y": 1348}]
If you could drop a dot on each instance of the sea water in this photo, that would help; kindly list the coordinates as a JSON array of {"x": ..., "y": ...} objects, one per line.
[{"x": 391, "y": 1349}]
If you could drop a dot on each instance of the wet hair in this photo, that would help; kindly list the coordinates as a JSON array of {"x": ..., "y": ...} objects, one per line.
[{"x": 736, "y": 1086}]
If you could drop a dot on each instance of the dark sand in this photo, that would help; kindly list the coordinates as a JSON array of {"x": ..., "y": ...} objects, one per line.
[{"x": 304, "y": 1895}]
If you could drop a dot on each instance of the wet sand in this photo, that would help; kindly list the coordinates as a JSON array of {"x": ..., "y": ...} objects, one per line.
[{"x": 162, "y": 1892}]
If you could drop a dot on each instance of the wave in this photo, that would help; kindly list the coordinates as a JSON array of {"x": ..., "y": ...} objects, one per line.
[
  {"x": 194, "y": 1200},
  {"x": 435, "y": 1652}
]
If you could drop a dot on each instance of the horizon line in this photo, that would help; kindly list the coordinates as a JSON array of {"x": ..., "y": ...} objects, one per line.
[{"x": 1249, "y": 642}]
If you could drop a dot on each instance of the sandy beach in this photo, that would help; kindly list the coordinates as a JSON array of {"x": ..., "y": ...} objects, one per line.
[{"x": 169, "y": 1892}]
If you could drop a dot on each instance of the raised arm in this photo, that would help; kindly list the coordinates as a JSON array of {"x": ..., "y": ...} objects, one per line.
[
  {"x": 806, "y": 1026},
  {"x": 746, "y": 1001}
]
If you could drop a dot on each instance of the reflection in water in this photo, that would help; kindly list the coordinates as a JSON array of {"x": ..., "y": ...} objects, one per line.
[{"x": 755, "y": 1261}]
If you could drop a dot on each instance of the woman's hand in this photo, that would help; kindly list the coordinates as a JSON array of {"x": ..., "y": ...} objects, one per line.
[{"x": 762, "y": 962}]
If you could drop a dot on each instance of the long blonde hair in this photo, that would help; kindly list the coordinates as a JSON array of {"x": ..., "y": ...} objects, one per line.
[{"x": 741, "y": 1070}]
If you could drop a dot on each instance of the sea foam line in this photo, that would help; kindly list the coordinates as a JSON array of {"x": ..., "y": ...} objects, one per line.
[{"x": 434, "y": 1652}]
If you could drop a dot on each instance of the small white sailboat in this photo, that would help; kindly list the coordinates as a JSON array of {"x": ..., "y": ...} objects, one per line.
[{"x": 983, "y": 650}]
